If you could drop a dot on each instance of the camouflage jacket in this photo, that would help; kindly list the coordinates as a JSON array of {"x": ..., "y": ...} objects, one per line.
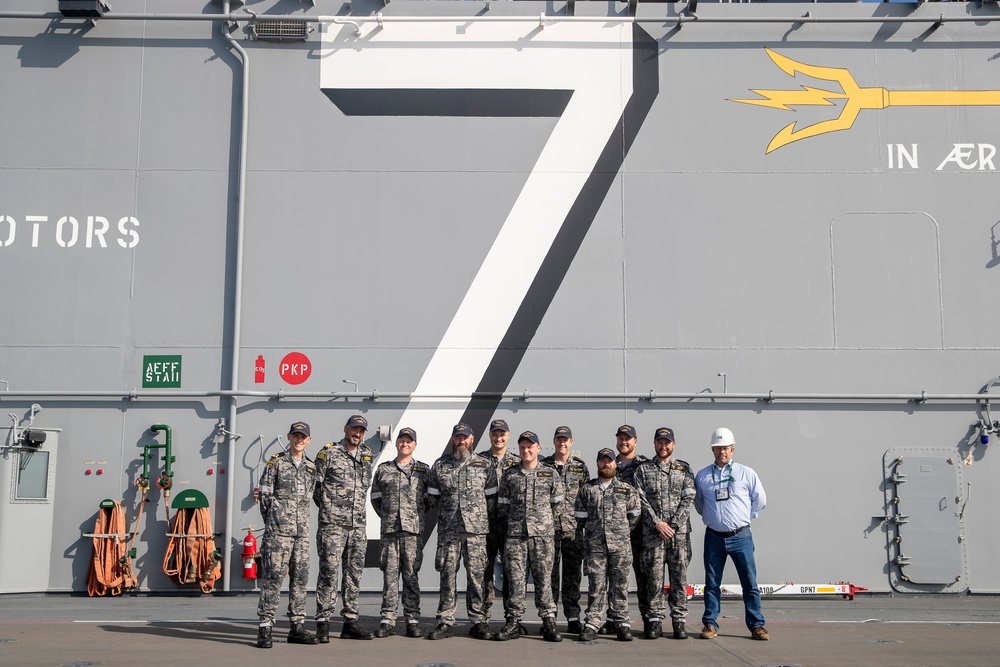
[
  {"x": 626, "y": 470},
  {"x": 608, "y": 515},
  {"x": 342, "y": 493},
  {"x": 399, "y": 496},
  {"x": 464, "y": 493},
  {"x": 527, "y": 500},
  {"x": 500, "y": 465},
  {"x": 285, "y": 491},
  {"x": 667, "y": 493},
  {"x": 574, "y": 474}
]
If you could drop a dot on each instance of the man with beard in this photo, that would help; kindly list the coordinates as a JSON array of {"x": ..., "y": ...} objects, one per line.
[
  {"x": 627, "y": 463},
  {"x": 666, "y": 488},
  {"x": 346, "y": 471},
  {"x": 464, "y": 488},
  {"x": 569, "y": 537},
  {"x": 608, "y": 509},
  {"x": 528, "y": 493},
  {"x": 500, "y": 459}
]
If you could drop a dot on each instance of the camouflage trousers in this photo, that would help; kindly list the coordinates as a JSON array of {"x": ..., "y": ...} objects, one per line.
[
  {"x": 280, "y": 555},
  {"x": 494, "y": 551},
  {"x": 340, "y": 548},
  {"x": 675, "y": 553},
  {"x": 520, "y": 555},
  {"x": 641, "y": 574},
  {"x": 471, "y": 549},
  {"x": 568, "y": 550},
  {"x": 608, "y": 589},
  {"x": 400, "y": 555}
]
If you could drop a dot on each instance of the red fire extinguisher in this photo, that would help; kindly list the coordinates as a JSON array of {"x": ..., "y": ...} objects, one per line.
[
  {"x": 249, "y": 555},
  {"x": 258, "y": 371}
]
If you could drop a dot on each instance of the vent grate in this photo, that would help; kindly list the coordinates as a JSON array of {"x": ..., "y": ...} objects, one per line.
[{"x": 277, "y": 30}]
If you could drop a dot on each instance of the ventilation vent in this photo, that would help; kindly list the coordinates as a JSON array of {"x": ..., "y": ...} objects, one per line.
[{"x": 276, "y": 30}]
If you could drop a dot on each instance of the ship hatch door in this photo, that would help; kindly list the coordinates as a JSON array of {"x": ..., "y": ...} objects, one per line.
[{"x": 924, "y": 527}]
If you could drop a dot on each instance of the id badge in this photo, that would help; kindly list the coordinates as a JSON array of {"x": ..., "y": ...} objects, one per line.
[{"x": 721, "y": 494}]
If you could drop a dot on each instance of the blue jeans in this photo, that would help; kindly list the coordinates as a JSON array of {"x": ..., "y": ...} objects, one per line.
[{"x": 739, "y": 547}]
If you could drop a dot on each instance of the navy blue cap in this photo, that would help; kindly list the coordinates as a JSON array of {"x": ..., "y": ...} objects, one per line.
[
  {"x": 357, "y": 420},
  {"x": 627, "y": 430},
  {"x": 461, "y": 429},
  {"x": 606, "y": 452},
  {"x": 664, "y": 433},
  {"x": 299, "y": 427},
  {"x": 499, "y": 425},
  {"x": 563, "y": 432},
  {"x": 407, "y": 431},
  {"x": 528, "y": 435}
]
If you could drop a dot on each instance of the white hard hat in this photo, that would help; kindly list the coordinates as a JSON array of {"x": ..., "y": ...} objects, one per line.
[{"x": 722, "y": 437}]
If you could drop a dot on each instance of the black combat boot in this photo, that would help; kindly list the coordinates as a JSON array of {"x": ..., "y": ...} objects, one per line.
[
  {"x": 385, "y": 630},
  {"x": 413, "y": 630},
  {"x": 652, "y": 629},
  {"x": 264, "y": 636},
  {"x": 624, "y": 633},
  {"x": 574, "y": 628},
  {"x": 298, "y": 635},
  {"x": 607, "y": 628},
  {"x": 442, "y": 631},
  {"x": 588, "y": 634},
  {"x": 679, "y": 631},
  {"x": 352, "y": 630},
  {"x": 481, "y": 631},
  {"x": 509, "y": 631},
  {"x": 323, "y": 632},
  {"x": 549, "y": 631}
]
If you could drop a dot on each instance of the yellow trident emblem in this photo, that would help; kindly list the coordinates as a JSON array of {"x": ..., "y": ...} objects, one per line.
[{"x": 857, "y": 98}]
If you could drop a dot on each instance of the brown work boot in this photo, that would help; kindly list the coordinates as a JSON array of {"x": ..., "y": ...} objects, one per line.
[
  {"x": 708, "y": 632},
  {"x": 759, "y": 633}
]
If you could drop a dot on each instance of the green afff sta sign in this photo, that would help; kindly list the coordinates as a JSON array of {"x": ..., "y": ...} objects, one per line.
[{"x": 161, "y": 371}]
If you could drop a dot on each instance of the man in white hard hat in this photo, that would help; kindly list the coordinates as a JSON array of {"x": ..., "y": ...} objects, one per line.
[{"x": 728, "y": 495}]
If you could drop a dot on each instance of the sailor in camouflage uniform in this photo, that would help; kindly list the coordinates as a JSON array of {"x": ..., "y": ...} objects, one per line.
[
  {"x": 569, "y": 536},
  {"x": 667, "y": 491},
  {"x": 463, "y": 487},
  {"x": 501, "y": 460},
  {"x": 608, "y": 509},
  {"x": 528, "y": 494},
  {"x": 346, "y": 469},
  {"x": 286, "y": 487},
  {"x": 399, "y": 497},
  {"x": 627, "y": 463}
]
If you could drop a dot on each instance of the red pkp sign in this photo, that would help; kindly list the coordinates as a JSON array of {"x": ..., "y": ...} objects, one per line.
[{"x": 295, "y": 368}]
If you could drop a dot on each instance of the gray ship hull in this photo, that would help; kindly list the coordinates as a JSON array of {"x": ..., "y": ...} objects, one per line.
[{"x": 777, "y": 218}]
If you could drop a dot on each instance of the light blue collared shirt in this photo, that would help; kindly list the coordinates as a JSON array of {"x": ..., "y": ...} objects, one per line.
[{"x": 746, "y": 496}]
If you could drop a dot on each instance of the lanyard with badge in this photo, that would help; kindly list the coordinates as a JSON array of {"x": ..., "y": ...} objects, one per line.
[{"x": 720, "y": 493}]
